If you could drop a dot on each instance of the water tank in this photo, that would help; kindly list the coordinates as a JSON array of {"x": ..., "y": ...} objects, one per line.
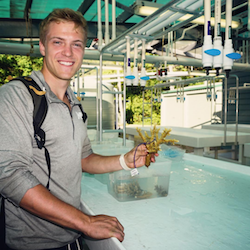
[{"x": 89, "y": 104}]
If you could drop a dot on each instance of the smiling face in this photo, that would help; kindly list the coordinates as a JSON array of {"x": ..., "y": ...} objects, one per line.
[{"x": 63, "y": 52}]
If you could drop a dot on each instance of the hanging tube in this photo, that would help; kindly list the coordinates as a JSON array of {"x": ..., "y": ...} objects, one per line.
[
  {"x": 144, "y": 77},
  {"x": 217, "y": 18},
  {"x": 228, "y": 46},
  {"x": 100, "y": 101},
  {"x": 207, "y": 22},
  {"x": 106, "y": 22},
  {"x": 228, "y": 31},
  {"x": 113, "y": 21},
  {"x": 124, "y": 108},
  {"x": 129, "y": 77},
  {"x": 217, "y": 59},
  {"x": 135, "y": 70},
  {"x": 207, "y": 58},
  {"x": 97, "y": 104},
  {"x": 99, "y": 33}
]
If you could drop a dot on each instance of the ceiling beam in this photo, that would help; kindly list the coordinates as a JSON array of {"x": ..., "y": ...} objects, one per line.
[
  {"x": 122, "y": 6},
  {"x": 126, "y": 14},
  {"x": 86, "y": 4}
]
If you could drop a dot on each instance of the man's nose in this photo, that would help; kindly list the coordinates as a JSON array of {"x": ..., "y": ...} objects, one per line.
[{"x": 67, "y": 51}]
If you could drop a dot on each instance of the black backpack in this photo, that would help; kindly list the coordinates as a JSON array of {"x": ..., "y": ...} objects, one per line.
[{"x": 39, "y": 114}]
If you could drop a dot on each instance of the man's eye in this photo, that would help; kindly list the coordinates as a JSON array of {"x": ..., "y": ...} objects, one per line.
[
  {"x": 77, "y": 45},
  {"x": 57, "y": 42}
]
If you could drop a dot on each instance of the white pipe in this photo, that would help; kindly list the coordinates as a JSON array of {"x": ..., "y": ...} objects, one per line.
[
  {"x": 120, "y": 45},
  {"x": 143, "y": 78},
  {"x": 172, "y": 43},
  {"x": 218, "y": 59},
  {"x": 90, "y": 54},
  {"x": 120, "y": 95},
  {"x": 184, "y": 32},
  {"x": 124, "y": 108},
  {"x": 116, "y": 108},
  {"x": 228, "y": 31},
  {"x": 168, "y": 46},
  {"x": 99, "y": 33},
  {"x": 128, "y": 73},
  {"x": 107, "y": 38},
  {"x": 135, "y": 70},
  {"x": 228, "y": 45},
  {"x": 113, "y": 20},
  {"x": 207, "y": 16},
  {"x": 173, "y": 18},
  {"x": 99, "y": 127},
  {"x": 217, "y": 18},
  {"x": 164, "y": 16},
  {"x": 207, "y": 59}
]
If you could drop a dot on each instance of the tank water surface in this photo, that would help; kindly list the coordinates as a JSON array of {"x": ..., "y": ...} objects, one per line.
[{"x": 206, "y": 208}]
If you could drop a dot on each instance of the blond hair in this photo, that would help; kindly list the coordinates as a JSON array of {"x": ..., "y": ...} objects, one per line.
[{"x": 59, "y": 15}]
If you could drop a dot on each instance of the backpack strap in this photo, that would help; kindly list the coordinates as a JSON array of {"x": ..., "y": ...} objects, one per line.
[
  {"x": 39, "y": 114},
  {"x": 84, "y": 115},
  {"x": 2, "y": 225}
]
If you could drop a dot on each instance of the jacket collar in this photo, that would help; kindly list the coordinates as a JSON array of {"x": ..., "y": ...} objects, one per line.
[{"x": 51, "y": 97}]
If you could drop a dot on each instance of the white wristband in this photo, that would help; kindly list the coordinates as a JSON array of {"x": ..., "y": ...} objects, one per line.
[{"x": 123, "y": 164}]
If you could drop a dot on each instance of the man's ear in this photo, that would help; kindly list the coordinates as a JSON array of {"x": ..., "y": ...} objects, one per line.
[{"x": 42, "y": 48}]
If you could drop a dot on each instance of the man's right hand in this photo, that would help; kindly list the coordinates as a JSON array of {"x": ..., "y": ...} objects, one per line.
[{"x": 104, "y": 227}]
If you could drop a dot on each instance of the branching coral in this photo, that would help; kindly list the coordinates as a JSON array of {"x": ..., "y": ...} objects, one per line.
[
  {"x": 153, "y": 142},
  {"x": 161, "y": 191},
  {"x": 132, "y": 189}
]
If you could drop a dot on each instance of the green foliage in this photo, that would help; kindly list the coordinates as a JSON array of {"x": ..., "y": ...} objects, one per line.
[
  {"x": 134, "y": 106},
  {"x": 180, "y": 68},
  {"x": 12, "y": 66}
]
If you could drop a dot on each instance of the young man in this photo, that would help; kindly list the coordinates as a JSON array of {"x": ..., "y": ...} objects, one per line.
[{"x": 38, "y": 218}]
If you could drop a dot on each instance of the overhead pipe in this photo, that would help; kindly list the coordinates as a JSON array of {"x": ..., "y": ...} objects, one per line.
[
  {"x": 217, "y": 59},
  {"x": 164, "y": 17},
  {"x": 168, "y": 17},
  {"x": 185, "y": 30},
  {"x": 158, "y": 25},
  {"x": 137, "y": 26},
  {"x": 120, "y": 46},
  {"x": 90, "y": 54},
  {"x": 99, "y": 32}
]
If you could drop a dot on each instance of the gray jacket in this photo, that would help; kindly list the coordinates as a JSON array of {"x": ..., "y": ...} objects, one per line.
[{"x": 23, "y": 165}]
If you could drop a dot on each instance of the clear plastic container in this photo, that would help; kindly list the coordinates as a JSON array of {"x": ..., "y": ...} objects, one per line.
[{"x": 150, "y": 183}]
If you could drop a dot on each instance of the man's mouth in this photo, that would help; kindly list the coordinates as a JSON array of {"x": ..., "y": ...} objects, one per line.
[{"x": 66, "y": 63}]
